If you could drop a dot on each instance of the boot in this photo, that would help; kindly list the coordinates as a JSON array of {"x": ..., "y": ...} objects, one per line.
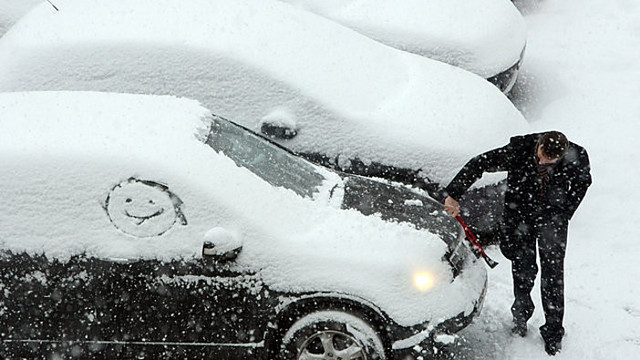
[
  {"x": 552, "y": 347},
  {"x": 519, "y": 327},
  {"x": 552, "y": 336}
]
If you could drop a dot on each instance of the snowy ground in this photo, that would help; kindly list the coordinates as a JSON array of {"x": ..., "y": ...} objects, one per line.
[{"x": 582, "y": 76}]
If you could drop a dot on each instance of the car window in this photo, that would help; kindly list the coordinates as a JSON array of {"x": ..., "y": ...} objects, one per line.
[{"x": 273, "y": 164}]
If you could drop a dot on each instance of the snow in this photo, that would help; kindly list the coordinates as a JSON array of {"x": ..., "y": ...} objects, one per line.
[
  {"x": 412, "y": 111},
  {"x": 66, "y": 193},
  {"x": 483, "y": 36},
  {"x": 12, "y": 10},
  {"x": 580, "y": 76}
]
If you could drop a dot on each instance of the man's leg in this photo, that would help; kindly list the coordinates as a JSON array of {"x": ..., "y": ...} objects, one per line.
[
  {"x": 552, "y": 244},
  {"x": 524, "y": 271}
]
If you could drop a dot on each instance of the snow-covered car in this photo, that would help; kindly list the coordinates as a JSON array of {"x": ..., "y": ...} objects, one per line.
[
  {"x": 318, "y": 88},
  {"x": 487, "y": 37},
  {"x": 143, "y": 226},
  {"x": 12, "y": 10}
]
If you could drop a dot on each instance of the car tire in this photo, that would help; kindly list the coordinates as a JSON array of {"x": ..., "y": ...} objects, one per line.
[{"x": 332, "y": 335}]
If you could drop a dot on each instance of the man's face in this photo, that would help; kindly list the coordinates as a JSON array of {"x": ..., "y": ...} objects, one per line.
[{"x": 543, "y": 159}]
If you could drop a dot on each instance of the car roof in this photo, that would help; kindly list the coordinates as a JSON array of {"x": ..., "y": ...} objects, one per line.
[
  {"x": 72, "y": 121},
  {"x": 482, "y": 36},
  {"x": 369, "y": 101},
  {"x": 12, "y": 10}
]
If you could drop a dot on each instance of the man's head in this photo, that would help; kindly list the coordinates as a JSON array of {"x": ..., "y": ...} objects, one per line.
[{"x": 552, "y": 146}]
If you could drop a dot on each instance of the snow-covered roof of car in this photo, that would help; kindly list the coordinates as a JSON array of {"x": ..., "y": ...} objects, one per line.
[
  {"x": 66, "y": 122},
  {"x": 351, "y": 96},
  {"x": 482, "y": 36},
  {"x": 63, "y": 153},
  {"x": 12, "y": 10}
]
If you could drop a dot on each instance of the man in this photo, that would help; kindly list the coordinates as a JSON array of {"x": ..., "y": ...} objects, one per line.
[{"x": 547, "y": 179}]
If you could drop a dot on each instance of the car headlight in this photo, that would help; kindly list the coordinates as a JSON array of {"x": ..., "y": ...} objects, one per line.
[{"x": 423, "y": 280}]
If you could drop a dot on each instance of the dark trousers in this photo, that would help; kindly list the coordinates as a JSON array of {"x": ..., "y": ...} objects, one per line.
[{"x": 550, "y": 234}]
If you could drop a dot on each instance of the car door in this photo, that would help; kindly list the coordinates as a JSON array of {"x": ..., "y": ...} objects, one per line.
[
  {"x": 203, "y": 304},
  {"x": 26, "y": 302},
  {"x": 49, "y": 306},
  {"x": 199, "y": 305},
  {"x": 128, "y": 308}
]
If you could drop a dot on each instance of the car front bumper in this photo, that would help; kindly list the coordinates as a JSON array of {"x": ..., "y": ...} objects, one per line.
[
  {"x": 507, "y": 79},
  {"x": 423, "y": 341}
]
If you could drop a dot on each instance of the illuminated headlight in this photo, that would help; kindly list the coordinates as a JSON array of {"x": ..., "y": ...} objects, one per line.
[{"x": 423, "y": 280}]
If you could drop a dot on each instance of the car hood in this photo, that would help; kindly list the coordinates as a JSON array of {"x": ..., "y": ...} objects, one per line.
[
  {"x": 370, "y": 259},
  {"x": 372, "y": 251},
  {"x": 396, "y": 202}
]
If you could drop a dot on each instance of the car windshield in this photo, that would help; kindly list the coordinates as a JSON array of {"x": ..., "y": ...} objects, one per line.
[{"x": 273, "y": 164}]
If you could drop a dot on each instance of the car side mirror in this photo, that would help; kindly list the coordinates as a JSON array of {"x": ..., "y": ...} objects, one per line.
[
  {"x": 278, "y": 131},
  {"x": 279, "y": 123},
  {"x": 221, "y": 244}
]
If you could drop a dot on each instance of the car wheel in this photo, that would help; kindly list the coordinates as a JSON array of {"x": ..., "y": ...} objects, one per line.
[{"x": 332, "y": 335}]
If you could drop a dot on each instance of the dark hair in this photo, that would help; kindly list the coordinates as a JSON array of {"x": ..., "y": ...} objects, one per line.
[{"x": 553, "y": 144}]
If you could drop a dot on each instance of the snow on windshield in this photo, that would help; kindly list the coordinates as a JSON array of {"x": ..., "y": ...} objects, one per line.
[{"x": 272, "y": 164}]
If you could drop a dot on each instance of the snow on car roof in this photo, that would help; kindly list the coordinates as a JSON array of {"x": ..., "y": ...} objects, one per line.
[
  {"x": 58, "y": 122},
  {"x": 12, "y": 10},
  {"x": 368, "y": 101},
  {"x": 482, "y": 36},
  {"x": 296, "y": 244}
]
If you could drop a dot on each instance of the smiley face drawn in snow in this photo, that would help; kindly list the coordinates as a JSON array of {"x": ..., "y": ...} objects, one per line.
[{"x": 143, "y": 208}]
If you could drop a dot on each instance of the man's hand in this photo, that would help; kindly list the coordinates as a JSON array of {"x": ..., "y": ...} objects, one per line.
[{"x": 451, "y": 206}]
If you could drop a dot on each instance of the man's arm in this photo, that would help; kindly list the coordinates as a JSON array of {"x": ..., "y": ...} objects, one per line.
[
  {"x": 490, "y": 161},
  {"x": 579, "y": 184}
]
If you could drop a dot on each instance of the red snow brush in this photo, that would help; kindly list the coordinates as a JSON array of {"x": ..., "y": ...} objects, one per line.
[{"x": 478, "y": 250}]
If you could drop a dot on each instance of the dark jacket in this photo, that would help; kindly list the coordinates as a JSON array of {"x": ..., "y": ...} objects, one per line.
[{"x": 568, "y": 181}]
